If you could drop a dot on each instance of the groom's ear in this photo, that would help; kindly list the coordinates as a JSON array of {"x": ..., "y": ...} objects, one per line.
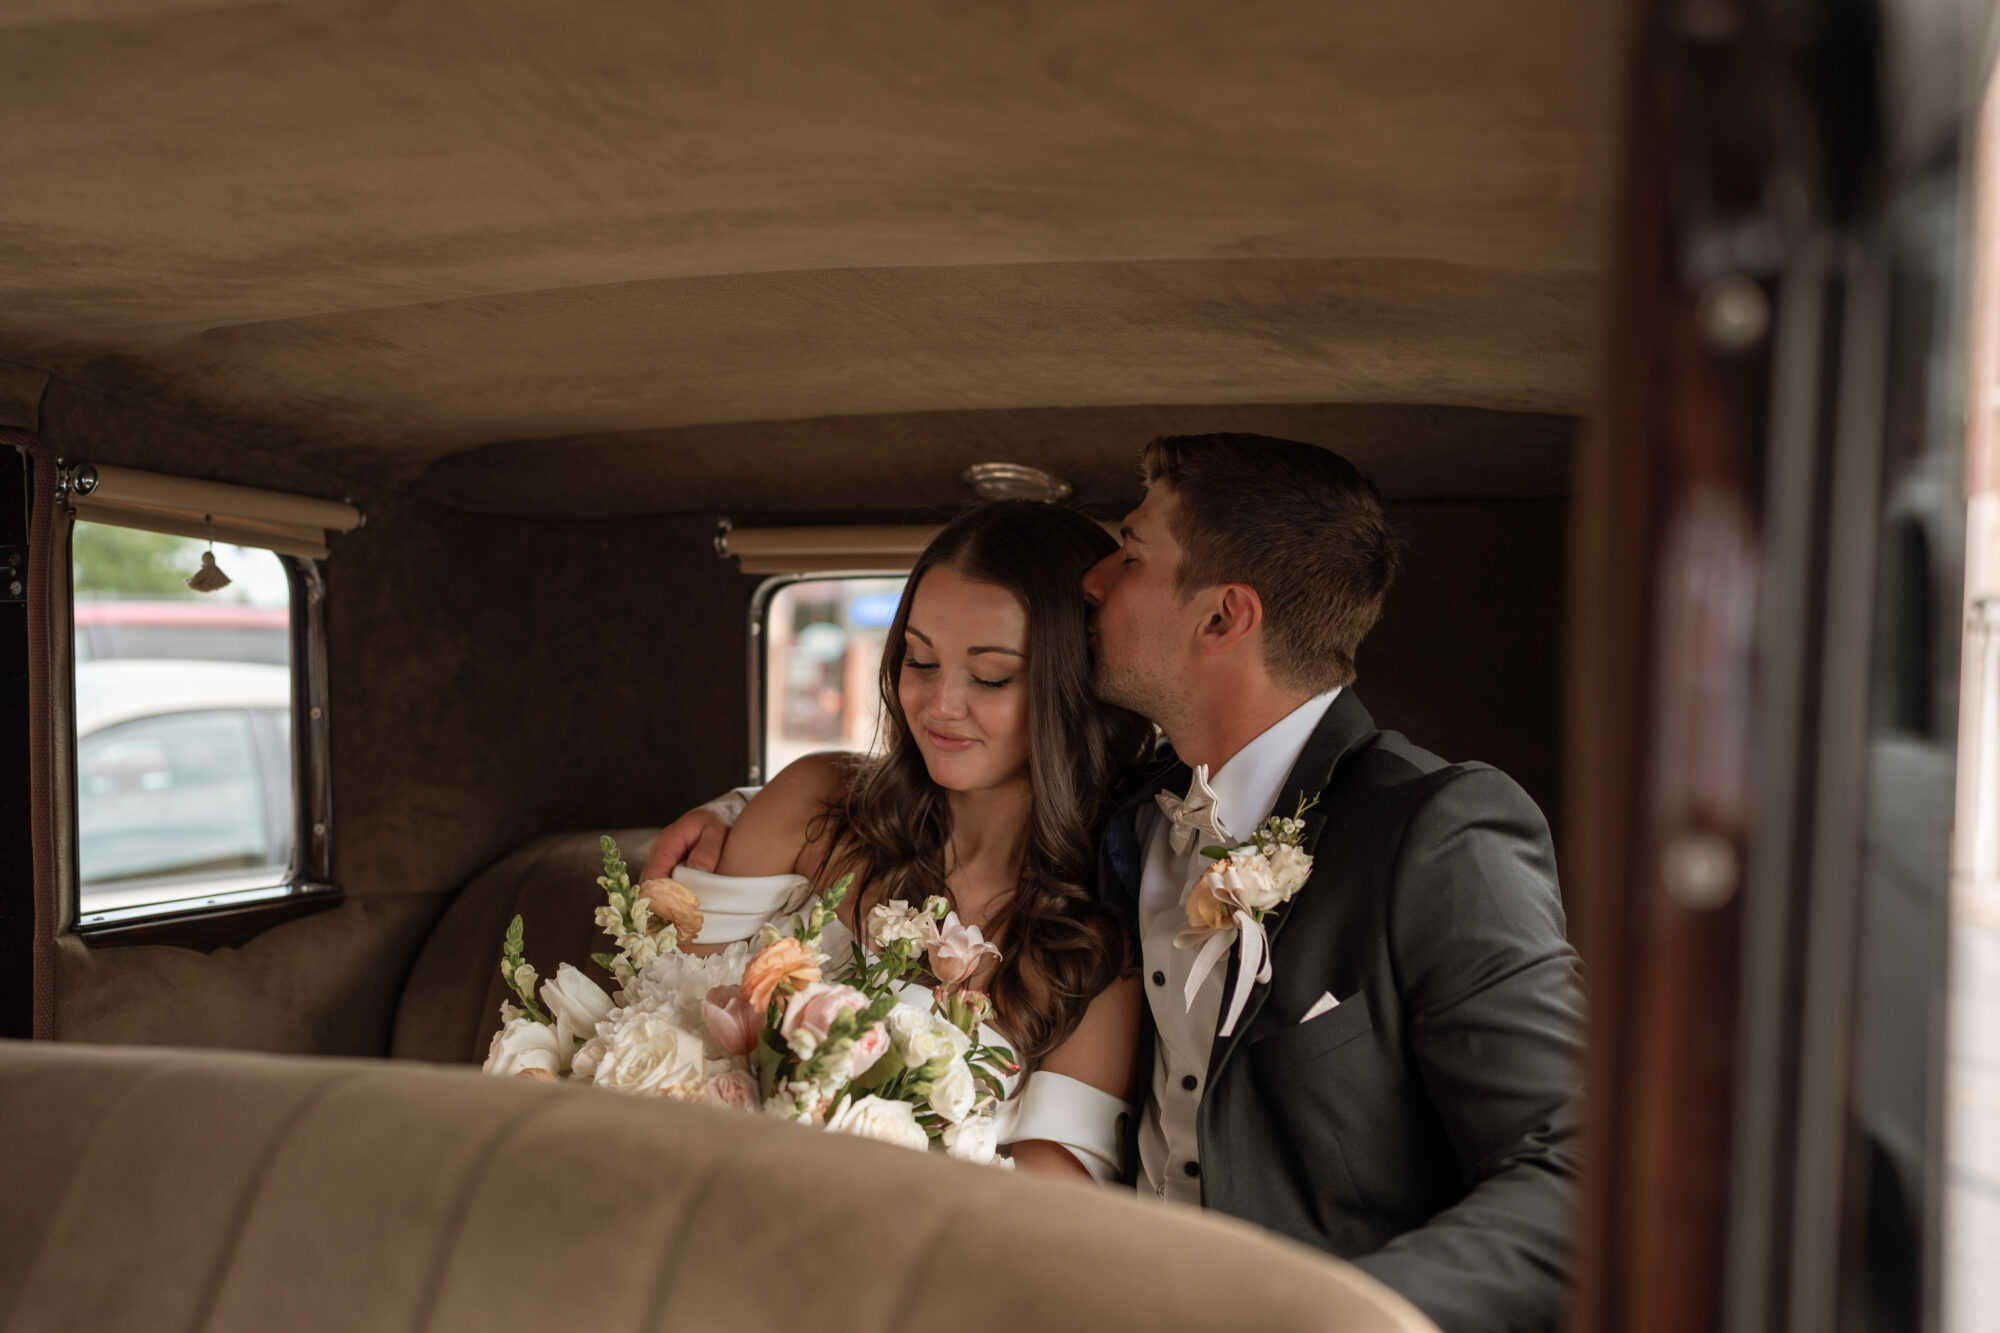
[{"x": 1231, "y": 613}]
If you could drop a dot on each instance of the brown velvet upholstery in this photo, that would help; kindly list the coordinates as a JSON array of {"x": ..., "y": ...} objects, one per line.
[
  {"x": 450, "y": 1006},
  {"x": 195, "y": 1190}
]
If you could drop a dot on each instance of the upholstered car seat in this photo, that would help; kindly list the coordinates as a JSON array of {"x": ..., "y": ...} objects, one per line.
[
  {"x": 450, "y": 1006},
  {"x": 201, "y": 1190}
]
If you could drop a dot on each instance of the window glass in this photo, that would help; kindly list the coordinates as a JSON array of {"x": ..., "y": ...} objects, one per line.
[
  {"x": 183, "y": 719},
  {"x": 822, "y": 663}
]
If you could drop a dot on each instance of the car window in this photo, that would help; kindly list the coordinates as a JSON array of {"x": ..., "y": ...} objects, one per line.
[
  {"x": 184, "y": 785},
  {"x": 821, "y": 666}
]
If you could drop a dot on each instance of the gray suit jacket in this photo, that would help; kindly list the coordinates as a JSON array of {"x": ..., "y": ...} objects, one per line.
[{"x": 1428, "y": 1127}]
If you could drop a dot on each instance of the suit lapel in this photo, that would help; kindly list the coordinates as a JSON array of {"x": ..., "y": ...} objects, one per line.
[{"x": 1346, "y": 723}]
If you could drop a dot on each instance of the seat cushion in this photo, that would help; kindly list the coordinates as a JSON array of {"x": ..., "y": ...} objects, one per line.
[
  {"x": 450, "y": 1006},
  {"x": 228, "y": 1192}
]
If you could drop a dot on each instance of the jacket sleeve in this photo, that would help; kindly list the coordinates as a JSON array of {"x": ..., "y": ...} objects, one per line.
[{"x": 1494, "y": 998}]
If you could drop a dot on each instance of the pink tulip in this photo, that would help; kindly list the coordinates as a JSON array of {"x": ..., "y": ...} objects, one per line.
[
  {"x": 959, "y": 951},
  {"x": 731, "y": 1021},
  {"x": 812, "y": 1010}
]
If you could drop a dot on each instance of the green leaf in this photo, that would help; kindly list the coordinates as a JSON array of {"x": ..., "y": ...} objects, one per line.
[{"x": 1216, "y": 853}]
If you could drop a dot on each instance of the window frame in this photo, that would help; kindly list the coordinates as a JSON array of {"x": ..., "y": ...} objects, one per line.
[
  {"x": 230, "y": 917},
  {"x": 759, "y": 666}
]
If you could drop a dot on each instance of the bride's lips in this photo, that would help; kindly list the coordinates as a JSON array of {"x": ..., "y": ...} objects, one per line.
[{"x": 944, "y": 740}]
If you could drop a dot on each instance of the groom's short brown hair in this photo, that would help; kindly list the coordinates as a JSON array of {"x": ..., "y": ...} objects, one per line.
[{"x": 1296, "y": 522}]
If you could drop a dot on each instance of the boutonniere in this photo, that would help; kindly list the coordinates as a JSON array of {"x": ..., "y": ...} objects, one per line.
[{"x": 1242, "y": 886}]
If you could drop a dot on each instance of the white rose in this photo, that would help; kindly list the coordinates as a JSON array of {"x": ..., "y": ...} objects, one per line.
[
  {"x": 910, "y": 1031},
  {"x": 883, "y": 1121},
  {"x": 973, "y": 1139},
  {"x": 950, "y": 1035},
  {"x": 523, "y": 1044},
  {"x": 649, "y": 1053},
  {"x": 954, "y": 1092},
  {"x": 1290, "y": 867},
  {"x": 892, "y": 921},
  {"x": 583, "y": 1065},
  {"x": 1244, "y": 879},
  {"x": 578, "y": 1003}
]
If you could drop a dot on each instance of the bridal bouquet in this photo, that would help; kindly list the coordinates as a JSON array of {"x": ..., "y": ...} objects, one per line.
[{"x": 761, "y": 1027}]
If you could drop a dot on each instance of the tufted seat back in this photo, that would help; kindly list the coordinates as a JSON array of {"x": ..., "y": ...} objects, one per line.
[
  {"x": 450, "y": 1007},
  {"x": 225, "y": 1193}
]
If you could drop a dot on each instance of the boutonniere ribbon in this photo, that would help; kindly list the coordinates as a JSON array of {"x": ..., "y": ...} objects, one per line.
[{"x": 1227, "y": 905}]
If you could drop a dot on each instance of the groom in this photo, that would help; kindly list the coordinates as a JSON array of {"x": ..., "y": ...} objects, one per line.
[{"x": 1402, "y": 1091}]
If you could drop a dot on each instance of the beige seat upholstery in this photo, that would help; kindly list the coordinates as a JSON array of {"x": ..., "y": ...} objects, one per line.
[
  {"x": 212, "y": 1192},
  {"x": 450, "y": 1007}
]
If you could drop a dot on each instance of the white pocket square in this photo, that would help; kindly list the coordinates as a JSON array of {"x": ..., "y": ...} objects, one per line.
[{"x": 1320, "y": 1006}]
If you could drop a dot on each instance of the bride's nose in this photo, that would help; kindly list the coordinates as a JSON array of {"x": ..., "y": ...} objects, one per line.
[{"x": 950, "y": 700}]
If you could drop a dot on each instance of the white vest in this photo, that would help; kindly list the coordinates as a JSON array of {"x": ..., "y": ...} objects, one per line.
[{"x": 1245, "y": 789}]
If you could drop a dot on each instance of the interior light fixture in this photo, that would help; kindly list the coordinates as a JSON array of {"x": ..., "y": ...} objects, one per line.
[{"x": 1015, "y": 481}]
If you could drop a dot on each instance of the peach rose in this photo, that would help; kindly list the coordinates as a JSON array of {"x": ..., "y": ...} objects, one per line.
[
  {"x": 783, "y": 962},
  {"x": 1205, "y": 911},
  {"x": 731, "y": 1021},
  {"x": 537, "y": 1076},
  {"x": 674, "y": 903}
]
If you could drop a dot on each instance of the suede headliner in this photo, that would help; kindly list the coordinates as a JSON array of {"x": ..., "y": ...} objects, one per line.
[{"x": 376, "y": 236}]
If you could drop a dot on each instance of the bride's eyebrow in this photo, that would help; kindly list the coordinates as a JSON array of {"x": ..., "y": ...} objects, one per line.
[{"x": 913, "y": 631}]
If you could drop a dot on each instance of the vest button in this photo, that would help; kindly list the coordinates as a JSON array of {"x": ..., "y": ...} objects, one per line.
[
  {"x": 1159, "y": 978},
  {"x": 1189, "y": 1082},
  {"x": 1193, "y": 1168}
]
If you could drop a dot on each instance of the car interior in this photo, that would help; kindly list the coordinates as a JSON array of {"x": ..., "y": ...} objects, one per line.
[{"x": 511, "y": 328}]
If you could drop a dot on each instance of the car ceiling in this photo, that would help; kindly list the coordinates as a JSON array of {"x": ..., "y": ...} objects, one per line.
[{"x": 647, "y": 257}]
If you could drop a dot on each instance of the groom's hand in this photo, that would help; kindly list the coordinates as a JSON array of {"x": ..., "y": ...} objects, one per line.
[{"x": 695, "y": 839}]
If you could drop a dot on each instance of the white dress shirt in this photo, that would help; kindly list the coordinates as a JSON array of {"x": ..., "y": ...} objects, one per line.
[{"x": 1245, "y": 789}]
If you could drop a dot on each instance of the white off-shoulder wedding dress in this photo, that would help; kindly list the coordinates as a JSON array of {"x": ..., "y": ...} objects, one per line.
[{"x": 1046, "y": 1106}]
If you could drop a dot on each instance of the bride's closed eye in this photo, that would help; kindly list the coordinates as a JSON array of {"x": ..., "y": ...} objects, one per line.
[{"x": 912, "y": 664}]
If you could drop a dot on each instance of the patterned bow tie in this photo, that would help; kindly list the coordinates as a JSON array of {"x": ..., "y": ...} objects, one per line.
[{"x": 1193, "y": 813}]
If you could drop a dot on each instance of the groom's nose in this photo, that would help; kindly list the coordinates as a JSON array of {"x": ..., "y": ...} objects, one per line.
[{"x": 1094, "y": 580}]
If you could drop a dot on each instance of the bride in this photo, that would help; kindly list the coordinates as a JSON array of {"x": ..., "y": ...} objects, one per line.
[{"x": 995, "y": 770}]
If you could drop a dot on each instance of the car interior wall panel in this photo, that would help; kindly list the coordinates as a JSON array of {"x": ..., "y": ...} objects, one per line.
[{"x": 491, "y": 679}]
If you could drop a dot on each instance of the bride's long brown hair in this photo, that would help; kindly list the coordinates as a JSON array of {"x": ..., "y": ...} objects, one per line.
[{"x": 892, "y": 827}]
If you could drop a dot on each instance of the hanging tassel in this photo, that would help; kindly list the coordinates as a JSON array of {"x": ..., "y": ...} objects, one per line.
[{"x": 209, "y": 578}]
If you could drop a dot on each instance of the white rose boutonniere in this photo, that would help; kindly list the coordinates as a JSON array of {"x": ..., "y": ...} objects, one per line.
[{"x": 1228, "y": 903}]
